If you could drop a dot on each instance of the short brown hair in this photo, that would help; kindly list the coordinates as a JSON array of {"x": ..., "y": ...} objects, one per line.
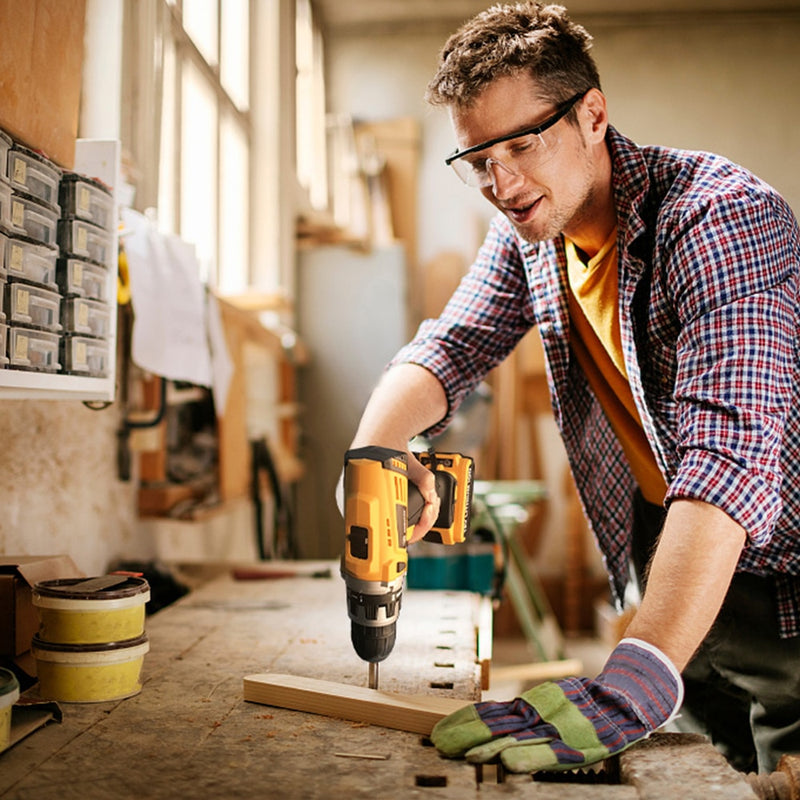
[{"x": 506, "y": 39}]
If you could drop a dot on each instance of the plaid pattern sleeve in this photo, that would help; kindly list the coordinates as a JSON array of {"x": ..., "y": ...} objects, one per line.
[{"x": 734, "y": 284}]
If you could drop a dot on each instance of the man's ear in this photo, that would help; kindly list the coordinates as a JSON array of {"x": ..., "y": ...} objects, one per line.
[{"x": 593, "y": 116}]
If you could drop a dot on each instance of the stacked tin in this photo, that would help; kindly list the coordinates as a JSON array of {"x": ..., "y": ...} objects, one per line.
[
  {"x": 91, "y": 641},
  {"x": 56, "y": 250}
]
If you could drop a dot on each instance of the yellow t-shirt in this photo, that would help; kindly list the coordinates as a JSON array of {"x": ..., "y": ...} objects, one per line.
[{"x": 595, "y": 339}]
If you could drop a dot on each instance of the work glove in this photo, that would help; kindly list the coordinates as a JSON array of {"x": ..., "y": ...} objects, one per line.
[{"x": 572, "y": 722}]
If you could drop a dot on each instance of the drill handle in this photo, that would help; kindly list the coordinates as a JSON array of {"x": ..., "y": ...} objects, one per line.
[
  {"x": 445, "y": 489},
  {"x": 415, "y": 503}
]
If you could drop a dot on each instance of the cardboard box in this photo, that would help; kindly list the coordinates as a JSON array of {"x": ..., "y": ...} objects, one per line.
[
  {"x": 19, "y": 619},
  {"x": 41, "y": 63}
]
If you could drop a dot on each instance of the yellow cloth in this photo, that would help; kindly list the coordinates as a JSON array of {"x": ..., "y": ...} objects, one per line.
[{"x": 595, "y": 339}]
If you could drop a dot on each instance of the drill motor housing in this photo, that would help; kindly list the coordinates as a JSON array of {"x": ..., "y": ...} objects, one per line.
[{"x": 381, "y": 507}]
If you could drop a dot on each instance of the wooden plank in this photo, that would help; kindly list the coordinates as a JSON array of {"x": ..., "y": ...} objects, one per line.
[
  {"x": 483, "y": 636},
  {"x": 536, "y": 671},
  {"x": 404, "y": 712}
]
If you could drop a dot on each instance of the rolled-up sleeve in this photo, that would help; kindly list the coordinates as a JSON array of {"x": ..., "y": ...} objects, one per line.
[{"x": 736, "y": 293}]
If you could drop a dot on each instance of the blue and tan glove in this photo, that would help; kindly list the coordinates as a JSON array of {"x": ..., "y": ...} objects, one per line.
[{"x": 572, "y": 722}]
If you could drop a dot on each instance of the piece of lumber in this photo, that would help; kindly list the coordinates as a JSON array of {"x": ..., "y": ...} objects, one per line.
[
  {"x": 404, "y": 712},
  {"x": 538, "y": 670}
]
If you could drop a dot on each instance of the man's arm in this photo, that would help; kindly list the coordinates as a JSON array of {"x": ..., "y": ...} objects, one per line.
[
  {"x": 577, "y": 721},
  {"x": 407, "y": 400},
  {"x": 689, "y": 576}
]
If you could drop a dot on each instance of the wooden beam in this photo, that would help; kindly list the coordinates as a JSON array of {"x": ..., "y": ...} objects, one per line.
[
  {"x": 404, "y": 712},
  {"x": 535, "y": 671}
]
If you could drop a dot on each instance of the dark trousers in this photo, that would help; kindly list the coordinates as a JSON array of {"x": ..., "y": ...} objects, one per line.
[{"x": 743, "y": 683}]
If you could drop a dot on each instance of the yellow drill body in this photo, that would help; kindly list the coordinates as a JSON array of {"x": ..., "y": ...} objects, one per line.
[{"x": 381, "y": 507}]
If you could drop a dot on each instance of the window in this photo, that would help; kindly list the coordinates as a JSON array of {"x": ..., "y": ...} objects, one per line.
[
  {"x": 208, "y": 127},
  {"x": 198, "y": 74},
  {"x": 310, "y": 93}
]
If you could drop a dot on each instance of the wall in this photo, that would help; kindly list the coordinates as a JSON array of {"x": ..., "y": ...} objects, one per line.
[
  {"x": 349, "y": 341},
  {"x": 60, "y": 491}
]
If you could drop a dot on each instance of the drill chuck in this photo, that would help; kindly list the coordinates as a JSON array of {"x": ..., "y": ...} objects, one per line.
[
  {"x": 373, "y": 609},
  {"x": 373, "y": 644}
]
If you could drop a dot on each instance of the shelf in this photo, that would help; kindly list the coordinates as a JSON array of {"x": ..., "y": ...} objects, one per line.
[
  {"x": 97, "y": 158},
  {"x": 21, "y": 385}
]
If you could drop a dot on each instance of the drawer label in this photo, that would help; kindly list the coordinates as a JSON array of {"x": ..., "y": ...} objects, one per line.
[
  {"x": 84, "y": 199},
  {"x": 20, "y": 171},
  {"x": 17, "y": 214},
  {"x": 17, "y": 254},
  {"x": 83, "y": 315},
  {"x": 23, "y": 297},
  {"x": 21, "y": 347}
]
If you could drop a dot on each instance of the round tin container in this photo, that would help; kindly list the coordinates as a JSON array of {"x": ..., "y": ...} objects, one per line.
[
  {"x": 71, "y": 612},
  {"x": 89, "y": 673},
  {"x": 9, "y": 694}
]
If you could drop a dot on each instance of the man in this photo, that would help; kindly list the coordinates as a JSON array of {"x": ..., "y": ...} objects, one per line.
[{"x": 664, "y": 284}]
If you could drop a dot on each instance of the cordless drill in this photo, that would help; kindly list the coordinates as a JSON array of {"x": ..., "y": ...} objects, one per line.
[{"x": 380, "y": 508}]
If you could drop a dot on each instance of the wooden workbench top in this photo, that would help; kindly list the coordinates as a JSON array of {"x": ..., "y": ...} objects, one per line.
[{"x": 189, "y": 733}]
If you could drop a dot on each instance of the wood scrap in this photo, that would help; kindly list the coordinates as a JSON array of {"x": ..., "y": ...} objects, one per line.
[
  {"x": 538, "y": 670},
  {"x": 413, "y": 713}
]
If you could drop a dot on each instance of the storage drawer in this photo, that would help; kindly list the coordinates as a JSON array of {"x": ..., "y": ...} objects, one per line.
[
  {"x": 81, "y": 355},
  {"x": 89, "y": 317},
  {"x": 33, "y": 350},
  {"x": 82, "y": 278},
  {"x": 30, "y": 261},
  {"x": 33, "y": 175},
  {"x": 37, "y": 220},
  {"x": 34, "y": 306},
  {"x": 84, "y": 240},
  {"x": 86, "y": 199}
]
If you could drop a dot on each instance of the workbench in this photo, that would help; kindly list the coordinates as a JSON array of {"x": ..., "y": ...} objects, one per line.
[{"x": 190, "y": 734}]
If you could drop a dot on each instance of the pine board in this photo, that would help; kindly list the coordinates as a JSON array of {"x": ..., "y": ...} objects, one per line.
[{"x": 412, "y": 713}]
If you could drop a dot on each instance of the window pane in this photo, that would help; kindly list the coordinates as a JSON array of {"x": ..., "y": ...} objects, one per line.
[
  {"x": 234, "y": 231},
  {"x": 304, "y": 58},
  {"x": 235, "y": 55},
  {"x": 166, "y": 168},
  {"x": 310, "y": 107},
  {"x": 198, "y": 168},
  {"x": 200, "y": 22}
]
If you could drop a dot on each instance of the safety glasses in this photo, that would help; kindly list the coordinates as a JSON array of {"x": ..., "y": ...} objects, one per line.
[{"x": 524, "y": 150}]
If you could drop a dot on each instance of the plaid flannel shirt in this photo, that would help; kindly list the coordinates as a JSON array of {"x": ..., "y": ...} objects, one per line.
[{"x": 709, "y": 263}]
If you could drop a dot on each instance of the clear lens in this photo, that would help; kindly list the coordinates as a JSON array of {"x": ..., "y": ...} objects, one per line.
[{"x": 517, "y": 156}]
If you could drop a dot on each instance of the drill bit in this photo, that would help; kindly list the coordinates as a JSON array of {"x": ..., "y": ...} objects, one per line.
[{"x": 373, "y": 674}]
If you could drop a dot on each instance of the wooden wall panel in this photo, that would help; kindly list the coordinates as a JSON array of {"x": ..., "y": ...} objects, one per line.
[{"x": 41, "y": 59}]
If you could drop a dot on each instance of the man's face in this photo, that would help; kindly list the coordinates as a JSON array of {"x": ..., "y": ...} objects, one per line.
[{"x": 547, "y": 184}]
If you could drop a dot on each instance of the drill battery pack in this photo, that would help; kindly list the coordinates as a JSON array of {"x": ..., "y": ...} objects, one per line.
[{"x": 453, "y": 474}]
